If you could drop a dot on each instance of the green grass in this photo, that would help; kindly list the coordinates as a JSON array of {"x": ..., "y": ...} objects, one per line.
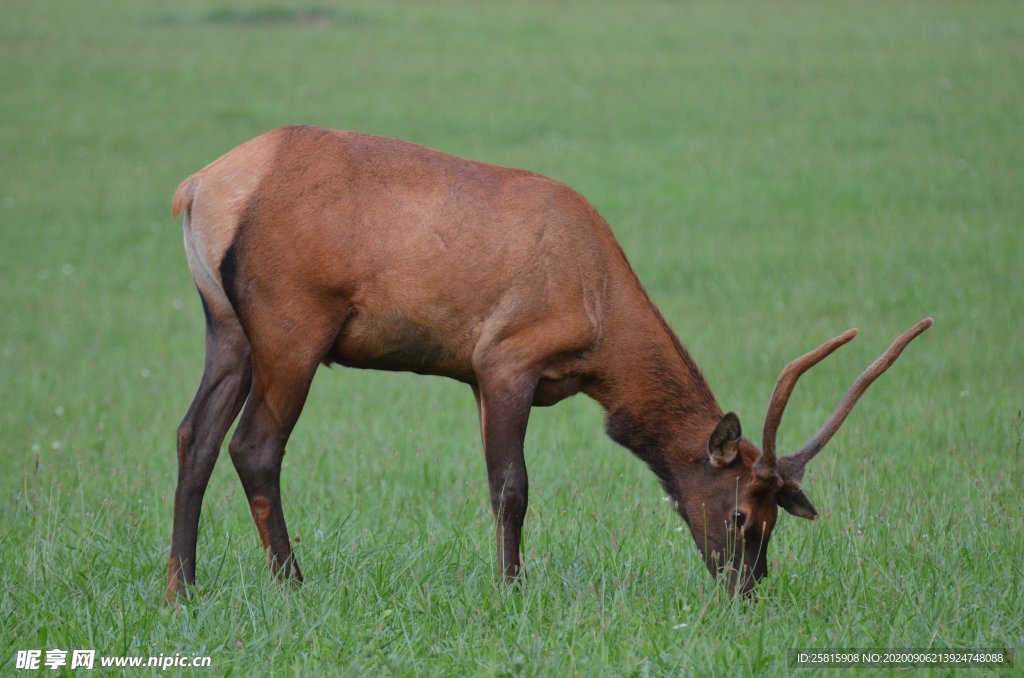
[{"x": 776, "y": 172}]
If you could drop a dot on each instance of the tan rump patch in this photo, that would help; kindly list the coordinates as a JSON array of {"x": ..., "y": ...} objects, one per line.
[{"x": 217, "y": 195}]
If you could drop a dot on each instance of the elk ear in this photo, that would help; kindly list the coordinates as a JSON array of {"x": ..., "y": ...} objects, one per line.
[
  {"x": 796, "y": 502},
  {"x": 724, "y": 443}
]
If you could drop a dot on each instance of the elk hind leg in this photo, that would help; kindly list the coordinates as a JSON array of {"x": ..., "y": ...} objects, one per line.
[
  {"x": 281, "y": 382},
  {"x": 222, "y": 390}
]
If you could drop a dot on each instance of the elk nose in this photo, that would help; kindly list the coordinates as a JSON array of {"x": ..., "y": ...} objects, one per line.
[{"x": 742, "y": 582}]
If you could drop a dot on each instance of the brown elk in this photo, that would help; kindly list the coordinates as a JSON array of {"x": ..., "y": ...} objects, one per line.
[{"x": 313, "y": 246}]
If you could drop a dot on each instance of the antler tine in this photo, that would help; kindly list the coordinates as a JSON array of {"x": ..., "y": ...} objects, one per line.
[
  {"x": 784, "y": 388},
  {"x": 793, "y": 465}
]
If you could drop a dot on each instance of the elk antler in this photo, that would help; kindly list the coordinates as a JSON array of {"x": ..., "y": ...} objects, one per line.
[
  {"x": 784, "y": 388},
  {"x": 792, "y": 467}
]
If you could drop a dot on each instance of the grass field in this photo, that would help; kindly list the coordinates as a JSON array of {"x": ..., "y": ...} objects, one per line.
[{"x": 776, "y": 172}]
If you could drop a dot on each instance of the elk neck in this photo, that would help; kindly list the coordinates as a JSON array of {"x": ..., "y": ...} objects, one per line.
[{"x": 659, "y": 406}]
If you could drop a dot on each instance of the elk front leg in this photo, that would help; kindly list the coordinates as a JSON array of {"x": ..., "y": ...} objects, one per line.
[{"x": 504, "y": 402}]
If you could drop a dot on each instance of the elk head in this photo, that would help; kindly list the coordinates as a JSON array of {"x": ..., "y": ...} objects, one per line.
[{"x": 732, "y": 508}]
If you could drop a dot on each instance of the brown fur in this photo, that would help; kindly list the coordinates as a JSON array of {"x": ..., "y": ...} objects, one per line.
[{"x": 314, "y": 246}]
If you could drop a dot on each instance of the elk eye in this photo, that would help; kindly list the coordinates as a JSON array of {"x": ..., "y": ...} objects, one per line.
[{"x": 739, "y": 517}]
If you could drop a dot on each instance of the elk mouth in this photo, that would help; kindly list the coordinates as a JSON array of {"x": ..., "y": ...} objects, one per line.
[
  {"x": 738, "y": 574},
  {"x": 742, "y": 580}
]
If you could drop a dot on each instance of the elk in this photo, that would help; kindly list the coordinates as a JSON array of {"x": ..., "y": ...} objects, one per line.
[{"x": 311, "y": 246}]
